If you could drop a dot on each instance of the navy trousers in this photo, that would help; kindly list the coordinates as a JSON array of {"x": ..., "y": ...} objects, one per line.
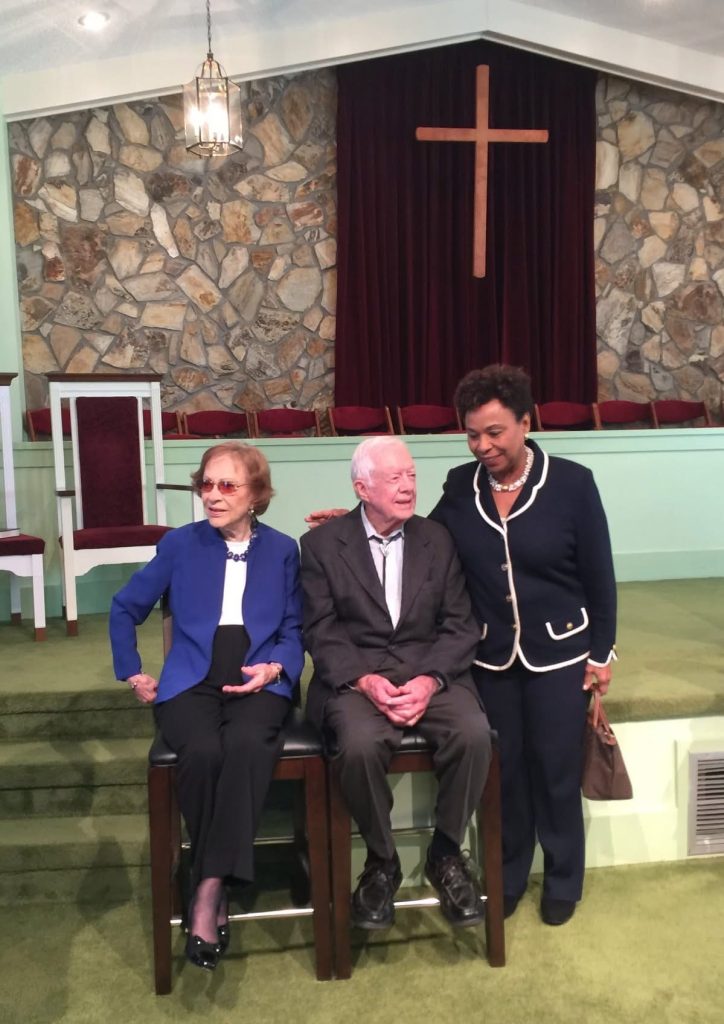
[{"x": 540, "y": 719}]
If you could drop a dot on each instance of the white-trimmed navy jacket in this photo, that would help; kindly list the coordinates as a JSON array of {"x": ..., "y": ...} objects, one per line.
[{"x": 541, "y": 582}]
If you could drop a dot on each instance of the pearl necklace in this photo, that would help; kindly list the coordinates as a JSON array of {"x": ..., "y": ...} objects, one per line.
[
  {"x": 241, "y": 556},
  {"x": 517, "y": 484}
]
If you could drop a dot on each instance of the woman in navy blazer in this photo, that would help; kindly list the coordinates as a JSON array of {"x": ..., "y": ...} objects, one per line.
[
  {"x": 533, "y": 541},
  {"x": 229, "y": 677}
]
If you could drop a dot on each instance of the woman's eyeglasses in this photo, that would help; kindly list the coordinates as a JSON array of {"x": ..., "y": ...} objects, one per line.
[{"x": 223, "y": 486}]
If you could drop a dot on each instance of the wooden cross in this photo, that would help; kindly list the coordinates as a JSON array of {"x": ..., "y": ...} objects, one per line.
[{"x": 481, "y": 135}]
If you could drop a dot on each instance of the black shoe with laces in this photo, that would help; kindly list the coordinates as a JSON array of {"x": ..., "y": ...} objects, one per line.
[
  {"x": 373, "y": 904},
  {"x": 461, "y": 900}
]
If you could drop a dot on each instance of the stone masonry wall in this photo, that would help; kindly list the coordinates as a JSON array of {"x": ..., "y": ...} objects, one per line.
[
  {"x": 221, "y": 275},
  {"x": 659, "y": 234},
  {"x": 135, "y": 255}
]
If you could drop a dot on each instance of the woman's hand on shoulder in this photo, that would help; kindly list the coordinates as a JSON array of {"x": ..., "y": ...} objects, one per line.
[
  {"x": 145, "y": 687},
  {"x": 598, "y": 677},
  {"x": 323, "y": 515},
  {"x": 258, "y": 676}
]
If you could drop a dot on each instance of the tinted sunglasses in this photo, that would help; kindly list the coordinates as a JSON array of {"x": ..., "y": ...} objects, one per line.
[{"x": 223, "y": 486}]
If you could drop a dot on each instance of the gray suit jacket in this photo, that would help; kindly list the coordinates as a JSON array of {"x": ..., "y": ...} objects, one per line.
[{"x": 347, "y": 627}]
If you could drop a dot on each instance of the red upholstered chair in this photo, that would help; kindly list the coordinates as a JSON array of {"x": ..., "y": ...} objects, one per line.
[
  {"x": 21, "y": 555},
  {"x": 360, "y": 419},
  {"x": 670, "y": 412},
  {"x": 619, "y": 413},
  {"x": 563, "y": 416},
  {"x": 37, "y": 423},
  {"x": 104, "y": 519},
  {"x": 428, "y": 419},
  {"x": 171, "y": 425},
  {"x": 216, "y": 423},
  {"x": 286, "y": 423}
]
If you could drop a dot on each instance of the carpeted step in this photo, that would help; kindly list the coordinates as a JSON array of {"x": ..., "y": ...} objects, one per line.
[
  {"x": 77, "y": 859},
  {"x": 83, "y": 860},
  {"x": 65, "y": 720},
  {"x": 73, "y": 763},
  {"x": 67, "y": 801},
  {"x": 103, "y": 859},
  {"x": 102, "y": 886},
  {"x": 28, "y": 844}
]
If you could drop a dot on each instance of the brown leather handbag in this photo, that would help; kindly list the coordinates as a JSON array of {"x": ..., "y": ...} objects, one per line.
[{"x": 604, "y": 772}]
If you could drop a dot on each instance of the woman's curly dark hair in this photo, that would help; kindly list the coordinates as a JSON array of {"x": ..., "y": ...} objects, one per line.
[
  {"x": 510, "y": 385},
  {"x": 256, "y": 466}
]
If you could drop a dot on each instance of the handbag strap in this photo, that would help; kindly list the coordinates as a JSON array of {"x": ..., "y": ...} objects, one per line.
[{"x": 599, "y": 717}]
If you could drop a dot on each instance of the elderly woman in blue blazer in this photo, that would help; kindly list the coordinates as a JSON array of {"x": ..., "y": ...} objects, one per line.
[
  {"x": 532, "y": 537},
  {"x": 228, "y": 680}
]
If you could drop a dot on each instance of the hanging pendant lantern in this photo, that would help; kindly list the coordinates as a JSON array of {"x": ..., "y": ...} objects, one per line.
[{"x": 212, "y": 108}]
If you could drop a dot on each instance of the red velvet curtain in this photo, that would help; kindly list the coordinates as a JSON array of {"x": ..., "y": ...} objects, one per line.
[{"x": 411, "y": 318}]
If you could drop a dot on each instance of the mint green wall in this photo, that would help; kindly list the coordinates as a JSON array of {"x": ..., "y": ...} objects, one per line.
[
  {"x": 662, "y": 490},
  {"x": 10, "y": 361}
]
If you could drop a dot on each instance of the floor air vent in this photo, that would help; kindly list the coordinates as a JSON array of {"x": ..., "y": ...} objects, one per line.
[{"x": 706, "y": 803}]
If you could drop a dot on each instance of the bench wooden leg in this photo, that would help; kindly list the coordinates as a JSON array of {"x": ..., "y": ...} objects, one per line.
[
  {"x": 315, "y": 794},
  {"x": 489, "y": 826},
  {"x": 341, "y": 855},
  {"x": 160, "y": 802}
]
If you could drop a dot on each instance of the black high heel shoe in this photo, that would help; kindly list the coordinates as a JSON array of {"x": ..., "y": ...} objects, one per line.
[
  {"x": 224, "y": 934},
  {"x": 201, "y": 953},
  {"x": 224, "y": 938}
]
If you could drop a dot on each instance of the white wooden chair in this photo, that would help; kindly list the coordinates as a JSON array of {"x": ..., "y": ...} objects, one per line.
[
  {"x": 20, "y": 554},
  {"x": 106, "y": 517}
]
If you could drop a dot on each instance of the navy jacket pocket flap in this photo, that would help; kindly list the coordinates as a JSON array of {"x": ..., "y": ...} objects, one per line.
[{"x": 561, "y": 629}]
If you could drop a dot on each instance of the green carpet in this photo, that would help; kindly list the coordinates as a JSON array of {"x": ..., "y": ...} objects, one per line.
[
  {"x": 646, "y": 947},
  {"x": 670, "y": 647}
]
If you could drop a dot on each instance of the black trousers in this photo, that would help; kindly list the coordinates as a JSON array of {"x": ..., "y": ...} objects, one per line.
[
  {"x": 227, "y": 747},
  {"x": 364, "y": 741},
  {"x": 540, "y": 719}
]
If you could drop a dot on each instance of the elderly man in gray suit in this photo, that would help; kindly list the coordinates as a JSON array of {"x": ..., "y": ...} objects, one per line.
[{"x": 387, "y": 621}]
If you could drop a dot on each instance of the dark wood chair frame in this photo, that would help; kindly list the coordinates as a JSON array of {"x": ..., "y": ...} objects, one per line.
[
  {"x": 301, "y": 760},
  {"x": 415, "y": 755},
  {"x": 166, "y": 848}
]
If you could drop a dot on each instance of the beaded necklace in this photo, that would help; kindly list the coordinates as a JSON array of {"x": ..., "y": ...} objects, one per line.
[
  {"x": 517, "y": 484},
  {"x": 241, "y": 556}
]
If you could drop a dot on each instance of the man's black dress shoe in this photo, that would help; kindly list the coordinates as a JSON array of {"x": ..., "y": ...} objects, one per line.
[
  {"x": 201, "y": 953},
  {"x": 373, "y": 904},
  {"x": 556, "y": 911},
  {"x": 510, "y": 904},
  {"x": 461, "y": 900}
]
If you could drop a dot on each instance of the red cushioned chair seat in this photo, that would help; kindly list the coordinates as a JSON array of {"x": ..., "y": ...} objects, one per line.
[
  {"x": 38, "y": 422},
  {"x": 169, "y": 423},
  {"x": 286, "y": 422},
  {"x": 564, "y": 416},
  {"x": 360, "y": 419},
  {"x": 217, "y": 423},
  {"x": 22, "y": 544},
  {"x": 428, "y": 419},
  {"x": 675, "y": 411},
  {"x": 117, "y": 536}
]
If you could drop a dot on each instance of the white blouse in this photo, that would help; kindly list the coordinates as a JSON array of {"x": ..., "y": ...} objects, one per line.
[{"x": 234, "y": 584}]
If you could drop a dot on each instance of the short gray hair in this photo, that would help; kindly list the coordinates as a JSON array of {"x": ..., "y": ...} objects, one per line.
[{"x": 364, "y": 457}]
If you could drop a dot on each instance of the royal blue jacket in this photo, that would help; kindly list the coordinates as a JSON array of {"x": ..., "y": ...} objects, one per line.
[
  {"x": 190, "y": 565},
  {"x": 541, "y": 582}
]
